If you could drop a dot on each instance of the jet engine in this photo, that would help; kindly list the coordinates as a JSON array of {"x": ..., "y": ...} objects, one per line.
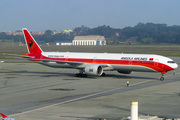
[
  {"x": 125, "y": 71},
  {"x": 94, "y": 69}
]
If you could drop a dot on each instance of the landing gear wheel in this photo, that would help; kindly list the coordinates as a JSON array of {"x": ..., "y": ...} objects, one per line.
[
  {"x": 77, "y": 75},
  {"x": 80, "y": 75},
  {"x": 84, "y": 75},
  {"x": 162, "y": 78}
]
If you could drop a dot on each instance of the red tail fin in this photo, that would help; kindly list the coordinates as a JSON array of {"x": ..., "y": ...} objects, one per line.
[
  {"x": 32, "y": 46},
  {"x": 3, "y": 116}
]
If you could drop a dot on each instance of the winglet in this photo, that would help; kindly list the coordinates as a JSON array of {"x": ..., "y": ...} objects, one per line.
[
  {"x": 3, "y": 116},
  {"x": 32, "y": 46}
]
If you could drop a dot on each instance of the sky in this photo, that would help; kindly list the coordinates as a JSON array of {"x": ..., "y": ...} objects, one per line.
[{"x": 41, "y": 15}]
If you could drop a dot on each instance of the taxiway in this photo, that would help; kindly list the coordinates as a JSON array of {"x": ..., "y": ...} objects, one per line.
[{"x": 31, "y": 91}]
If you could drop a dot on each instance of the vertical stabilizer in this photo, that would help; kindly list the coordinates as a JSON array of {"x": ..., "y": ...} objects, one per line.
[
  {"x": 3, "y": 116},
  {"x": 32, "y": 46},
  {"x": 6, "y": 117}
]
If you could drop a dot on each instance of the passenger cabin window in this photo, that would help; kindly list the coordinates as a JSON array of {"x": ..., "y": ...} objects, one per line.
[{"x": 170, "y": 62}]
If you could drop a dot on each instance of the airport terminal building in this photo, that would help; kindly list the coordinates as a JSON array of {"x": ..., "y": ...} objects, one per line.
[
  {"x": 65, "y": 42},
  {"x": 89, "y": 40}
]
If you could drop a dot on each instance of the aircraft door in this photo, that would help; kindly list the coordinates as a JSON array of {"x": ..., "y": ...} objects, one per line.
[
  {"x": 130, "y": 62},
  {"x": 156, "y": 62},
  {"x": 94, "y": 60},
  {"x": 41, "y": 56},
  {"x": 66, "y": 59}
]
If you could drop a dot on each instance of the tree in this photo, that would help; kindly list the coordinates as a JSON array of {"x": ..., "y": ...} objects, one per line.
[
  {"x": 146, "y": 40},
  {"x": 48, "y": 32}
]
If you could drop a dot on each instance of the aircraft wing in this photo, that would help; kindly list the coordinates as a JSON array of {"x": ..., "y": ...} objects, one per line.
[{"x": 75, "y": 64}]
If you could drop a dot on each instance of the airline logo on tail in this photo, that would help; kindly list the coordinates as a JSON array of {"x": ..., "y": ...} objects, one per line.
[{"x": 31, "y": 44}]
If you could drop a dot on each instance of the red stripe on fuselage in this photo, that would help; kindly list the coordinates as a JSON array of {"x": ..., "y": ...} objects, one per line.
[{"x": 157, "y": 66}]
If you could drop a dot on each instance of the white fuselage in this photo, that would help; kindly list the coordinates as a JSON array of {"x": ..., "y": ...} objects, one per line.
[{"x": 119, "y": 62}]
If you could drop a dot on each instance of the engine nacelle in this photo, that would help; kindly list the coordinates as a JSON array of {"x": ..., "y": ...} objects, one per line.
[
  {"x": 94, "y": 69},
  {"x": 125, "y": 71}
]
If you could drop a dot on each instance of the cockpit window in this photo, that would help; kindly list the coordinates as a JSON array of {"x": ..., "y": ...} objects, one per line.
[{"x": 170, "y": 62}]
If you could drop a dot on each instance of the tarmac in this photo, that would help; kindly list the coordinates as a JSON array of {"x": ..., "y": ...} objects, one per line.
[{"x": 30, "y": 91}]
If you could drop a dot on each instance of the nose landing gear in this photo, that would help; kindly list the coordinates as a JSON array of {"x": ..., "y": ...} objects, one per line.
[{"x": 162, "y": 78}]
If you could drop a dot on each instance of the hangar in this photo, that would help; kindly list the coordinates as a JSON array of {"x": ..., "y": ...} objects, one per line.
[{"x": 89, "y": 40}]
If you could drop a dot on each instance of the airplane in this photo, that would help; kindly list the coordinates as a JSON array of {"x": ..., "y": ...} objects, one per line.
[
  {"x": 94, "y": 64},
  {"x": 6, "y": 117}
]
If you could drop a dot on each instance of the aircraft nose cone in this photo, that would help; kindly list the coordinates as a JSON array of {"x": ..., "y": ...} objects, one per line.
[{"x": 175, "y": 66}]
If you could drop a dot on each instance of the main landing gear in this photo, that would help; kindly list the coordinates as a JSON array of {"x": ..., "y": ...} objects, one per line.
[
  {"x": 80, "y": 75},
  {"x": 84, "y": 75}
]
